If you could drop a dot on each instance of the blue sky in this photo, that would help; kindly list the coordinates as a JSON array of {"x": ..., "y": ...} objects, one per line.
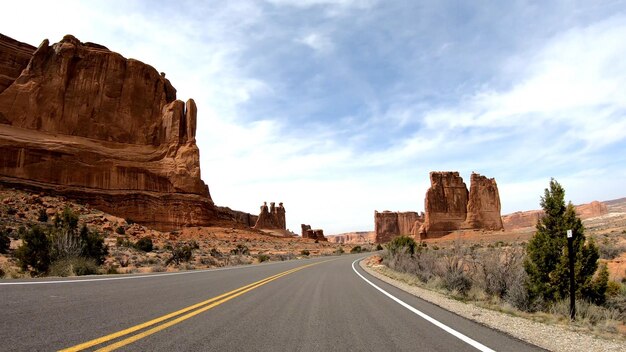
[{"x": 340, "y": 108}]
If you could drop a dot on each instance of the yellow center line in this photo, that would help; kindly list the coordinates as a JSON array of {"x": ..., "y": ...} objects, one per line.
[{"x": 208, "y": 304}]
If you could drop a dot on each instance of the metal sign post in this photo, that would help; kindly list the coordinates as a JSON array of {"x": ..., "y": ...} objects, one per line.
[{"x": 572, "y": 282}]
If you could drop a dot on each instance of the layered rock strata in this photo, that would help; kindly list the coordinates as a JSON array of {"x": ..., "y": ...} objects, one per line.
[
  {"x": 362, "y": 237},
  {"x": 525, "y": 219},
  {"x": 314, "y": 234},
  {"x": 272, "y": 217},
  {"x": 82, "y": 121},
  {"x": 449, "y": 206},
  {"x": 388, "y": 225}
]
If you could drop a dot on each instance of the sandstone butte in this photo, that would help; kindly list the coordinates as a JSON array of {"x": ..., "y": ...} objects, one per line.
[
  {"x": 314, "y": 234},
  {"x": 449, "y": 207},
  {"x": 81, "y": 121}
]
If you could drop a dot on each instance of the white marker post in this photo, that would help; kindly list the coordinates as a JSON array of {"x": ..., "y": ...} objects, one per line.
[{"x": 572, "y": 283}]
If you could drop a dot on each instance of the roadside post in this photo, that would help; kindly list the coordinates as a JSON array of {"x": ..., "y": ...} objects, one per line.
[{"x": 572, "y": 283}]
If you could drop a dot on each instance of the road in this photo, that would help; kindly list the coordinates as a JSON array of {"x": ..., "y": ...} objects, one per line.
[{"x": 320, "y": 305}]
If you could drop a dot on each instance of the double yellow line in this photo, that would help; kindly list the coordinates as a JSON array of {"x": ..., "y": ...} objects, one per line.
[{"x": 191, "y": 311}]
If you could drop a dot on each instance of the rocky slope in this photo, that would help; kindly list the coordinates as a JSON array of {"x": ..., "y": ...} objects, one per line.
[{"x": 79, "y": 120}]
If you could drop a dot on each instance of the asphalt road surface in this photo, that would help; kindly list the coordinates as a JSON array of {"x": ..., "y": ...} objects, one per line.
[{"x": 320, "y": 304}]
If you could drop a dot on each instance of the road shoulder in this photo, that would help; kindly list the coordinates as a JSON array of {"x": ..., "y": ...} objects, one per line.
[{"x": 550, "y": 337}]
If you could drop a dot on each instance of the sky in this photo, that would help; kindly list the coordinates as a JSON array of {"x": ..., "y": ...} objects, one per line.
[{"x": 339, "y": 108}]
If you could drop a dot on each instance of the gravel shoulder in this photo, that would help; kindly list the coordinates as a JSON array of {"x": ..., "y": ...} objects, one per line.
[{"x": 550, "y": 337}]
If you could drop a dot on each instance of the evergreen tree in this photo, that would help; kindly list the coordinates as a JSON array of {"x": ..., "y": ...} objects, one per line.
[
  {"x": 34, "y": 251},
  {"x": 547, "y": 260}
]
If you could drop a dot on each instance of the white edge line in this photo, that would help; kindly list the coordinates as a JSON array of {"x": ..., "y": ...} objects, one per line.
[
  {"x": 440, "y": 325},
  {"x": 130, "y": 277}
]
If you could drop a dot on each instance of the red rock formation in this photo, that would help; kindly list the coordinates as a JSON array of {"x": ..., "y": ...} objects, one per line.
[
  {"x": 353, "y": 238},
  {"x": 445, "y": 203},
  {"x": 82, "y": 121},
  {"x": 521, "y": 219},
  {"x": 591, "y": 210},
  {"x": 240, "y": 217},
  {"x": 483, "y": 207},
  {"x": 450, "y": 207},
  {"x": 272, "y": 218},
  {"x": 14, "y": 57},
  {"x": 388, "y": 225},
  {"x": 315, "y": 234},
  {"x": 525, "y": 219}
]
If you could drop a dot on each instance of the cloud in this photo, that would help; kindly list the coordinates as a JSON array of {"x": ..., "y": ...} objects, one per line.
[{"x": 318, "y": 42}]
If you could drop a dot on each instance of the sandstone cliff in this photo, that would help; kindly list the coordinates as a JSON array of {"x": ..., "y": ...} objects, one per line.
[
  {"x": 388, "y": 225},
  {"x": 483, "y": 206},
  {"x": 449, "y": 206},
  {"x": 82, "y": 121},
  {"x": 272, "y": 217}
]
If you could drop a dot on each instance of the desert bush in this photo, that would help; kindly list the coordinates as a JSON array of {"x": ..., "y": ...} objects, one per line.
[
  {"x": 122, "y": 260},
  {"x": 5, "y": 240},
  {"x": 194, "y": 244},
  {"x": 452, "y": 270},
  {"x": 120, "y": 230},
  {"x": 263, "y": 258},
  {"x": 92, "y": 245},
  {"x": 356, "y": 249},
  {"x": 401, "y": 242},
  {"x": 240, "y": 249},
  {"x": 11, "y": 211},
  {"x": 144, "y": 244},
  {"x": 305, "y": 252},
  {"x": 379, "y": 247},
  {"x": 610, "y": 250},
  {"x": 158, "y": 269},
  {"x": 111, "y": 270},
  {"x": 239, "y": 260},
  {"x": 43, "y": 216},
  {"x": 34, "y": 253},
  {"x": 73, "y": 266},
  {"x": 180, "y": 253},
  {"x": 215, "y": 253},
  {"x": 586, "y": 312}
]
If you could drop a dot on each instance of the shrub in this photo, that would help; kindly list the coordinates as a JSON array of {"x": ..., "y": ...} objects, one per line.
[
  {"x": 11, "y": 211},
  {"x": 305, "y": 252},
  {"x": 263, "y": 258},
  {"x": 144, "y": 244},
  {"x": 240, "y": 249},
  {"x": 120, "y": 230},
  {"x": 5, "y": 241},
  {"x": 180, "y": 254},
  {"x": 356, "y": 249},
  {"x": 34, "y": 253},
  {"x": 400, "y": 243},
  {"x": 43, "y": 216},
  {"x": 194, "y": 244},
  {"x": 73, "y": 266},
  {"x": 339, "y": 250},
  {"x": 93, "y": 246},
  {"x": 453, "y": 273},
  {"x": 215, "y": 253},
  {"x": 379, "y": 247}
]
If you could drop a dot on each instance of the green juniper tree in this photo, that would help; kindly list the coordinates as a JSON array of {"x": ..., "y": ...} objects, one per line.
[{"x": 547, "y": 260}]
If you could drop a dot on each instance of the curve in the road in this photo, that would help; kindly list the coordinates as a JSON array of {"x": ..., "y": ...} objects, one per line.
[{"x": 426, "y": 317}]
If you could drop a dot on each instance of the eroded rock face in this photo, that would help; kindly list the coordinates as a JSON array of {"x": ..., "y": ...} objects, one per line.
[
  {"x": 363, "y": 237},
  {"x": 82, "y": 121},
  {"x": 525, "y": 219},
  {"x": 314, "y": 234},
  {"x": 272, "y": 217},
  {"x": 14, "y": 57},
  {"x": 483, "y": 207},
  {"x": 591, "y": 210},
  {"x": 445, "y": 204},
  {"x": 388, "y": 225},
  {"x": 449, "y": 206}
]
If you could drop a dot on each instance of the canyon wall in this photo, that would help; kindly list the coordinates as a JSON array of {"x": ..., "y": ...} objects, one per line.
[{"x": 79, "y": 120}]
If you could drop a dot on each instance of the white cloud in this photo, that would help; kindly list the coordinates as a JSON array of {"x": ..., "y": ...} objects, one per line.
[{"x": 318, "y": 42}]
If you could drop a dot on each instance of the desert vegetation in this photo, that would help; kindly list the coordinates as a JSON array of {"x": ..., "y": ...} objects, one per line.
[{"x": 522, "y": 278}]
